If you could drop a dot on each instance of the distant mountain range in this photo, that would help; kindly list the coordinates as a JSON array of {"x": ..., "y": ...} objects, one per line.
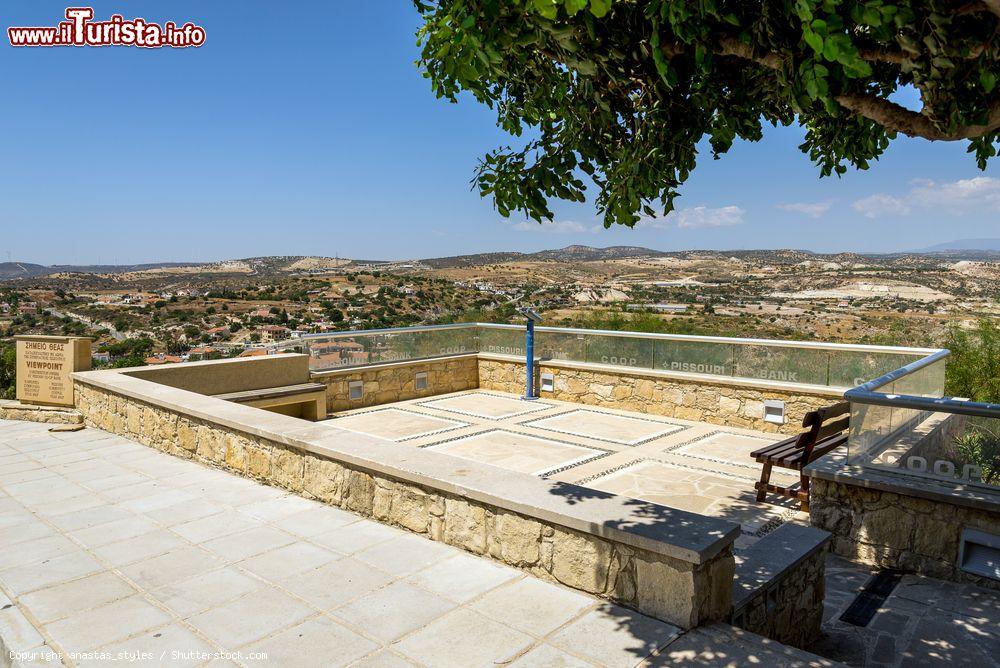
[
  {"x": 979, "y": 245},
  {"x": 972, "y": 249},
  {"x": 567, "y": 254},
  {"x": 28, "y": 270}
]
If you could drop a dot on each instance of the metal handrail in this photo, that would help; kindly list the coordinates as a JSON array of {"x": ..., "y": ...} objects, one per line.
[{"x": 866, "y": 394}]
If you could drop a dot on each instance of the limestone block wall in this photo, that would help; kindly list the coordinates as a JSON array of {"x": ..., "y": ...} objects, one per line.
[
  {"x": 15, "y": 410},
  {"x": 680, "y": 592},
  {"x": 396, "y": 381},
  {"x": 897, "y": 531},
  {"x": 699, "y": 400}
]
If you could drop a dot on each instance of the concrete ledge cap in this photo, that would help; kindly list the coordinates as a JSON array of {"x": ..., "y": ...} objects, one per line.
[
  {"x": 769, "y": 558},
  {"x": 666, "y": 531},
  {"x": 834, "y": 467}
]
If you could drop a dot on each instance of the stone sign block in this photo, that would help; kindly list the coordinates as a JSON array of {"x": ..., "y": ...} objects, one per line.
[{"x": 44, "y": 365}]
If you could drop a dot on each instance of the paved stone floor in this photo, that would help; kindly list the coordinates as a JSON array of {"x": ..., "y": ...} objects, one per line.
[
  {"x": 924, "y": 622},
  {"x": 116, "y": 554},
  {"x": 696, "y": 466}
]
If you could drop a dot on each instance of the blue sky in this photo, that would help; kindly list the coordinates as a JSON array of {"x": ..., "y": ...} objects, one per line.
[{"x": 263, "y": 143}]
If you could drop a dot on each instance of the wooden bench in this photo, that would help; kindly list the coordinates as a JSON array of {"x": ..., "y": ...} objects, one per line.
[
  {"x": 824, "y": 430},
  {"x": 305, "y": 400}
]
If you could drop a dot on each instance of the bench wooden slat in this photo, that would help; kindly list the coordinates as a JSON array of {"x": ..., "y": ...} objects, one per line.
[{"x": 822, "y": 432}]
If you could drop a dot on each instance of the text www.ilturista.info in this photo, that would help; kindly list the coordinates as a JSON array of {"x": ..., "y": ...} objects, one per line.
[{"x": 80, "y": 30}]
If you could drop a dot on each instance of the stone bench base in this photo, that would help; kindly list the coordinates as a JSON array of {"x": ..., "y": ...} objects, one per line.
[{"x": 15, "y": 410}]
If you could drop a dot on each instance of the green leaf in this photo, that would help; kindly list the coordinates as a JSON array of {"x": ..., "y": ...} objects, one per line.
[
  {"x": 813, "y": 40},
  {"x": 600, "y": 7},
  {"x": 988, "y": 80},
  {"x": 546, "y": 8},
  {"x": 574, "y": 6}
]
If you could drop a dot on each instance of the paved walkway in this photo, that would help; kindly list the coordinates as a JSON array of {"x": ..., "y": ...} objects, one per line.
[
  {"x": 924, "y": 622},
  {"x": 116, "y": 553}
]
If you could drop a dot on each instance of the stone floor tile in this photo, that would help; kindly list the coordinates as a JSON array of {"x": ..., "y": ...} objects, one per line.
[
  {"x": 383, "y": 659},
  {"x": 145, "y": 488},
  {"x": 206, "y": 590},
  {"x": 272, "y": 510},
  {"x": 45, "y": 492},
  {"x": 393, "y": 611},
  {"x": 948, "y": 638},
  {"x": 167, "y": 497},
  {"x": 34, "y": 550},
  {"x": 173, "y": 645},
  {"x": 18, "y": 634},
  {"x": 89, "y": 517},
  {"x": 186, "y": 511},
  {"x": 100, "y": 626},
  {"x": 463, "y": 577},
  {"x": 249, "y": 543},
  {"x": 240, "y": 492},
  {"x": 336, "y": 583},
  {"x": 213, "y": 526},
  {"x": 169, "y": 567},
  {"x": 289, "y": 560},
  {"x": 547, "y": 656},
  {"x": 613, "y": 636},
  {"x": 464, "y": 638},
  {"x": 126, "y": 479},
  {"x": 70, "y": 598},
  {"x": 257, "y": 615},
  {"x": 405, "y": 555},
  {"x": 41, "y": 574},
  {"x": 357, "y": 536},
  {"x": 29, "y": 530},
  {"x": 533, "y": 606},
  {"x": 13, "y": 479},
  {"x": 114, "y": 531},
  {"x": 319, "y": 642},
  {"x": 316, "y": 521},
  {"x": 139, "y": 548},
  {"x": 81, "y": 502}
]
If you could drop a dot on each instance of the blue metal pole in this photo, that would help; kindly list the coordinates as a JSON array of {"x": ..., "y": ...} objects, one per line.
[{"x": 529, "y": 347}]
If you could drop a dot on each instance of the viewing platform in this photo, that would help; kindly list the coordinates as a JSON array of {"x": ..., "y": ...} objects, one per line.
[{"x": 627, "y": 481}]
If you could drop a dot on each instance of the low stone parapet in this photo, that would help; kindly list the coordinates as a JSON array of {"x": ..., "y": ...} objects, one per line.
[
  {"x": 734, "y": 402},
  {"x": 779, "y": 587},
  {"x": 397, "y": 381},
  {"x": 892, "y": 520},
  {"x": 666, "y": 563}
]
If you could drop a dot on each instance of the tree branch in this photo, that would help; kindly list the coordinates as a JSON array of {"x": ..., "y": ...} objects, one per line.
[
  {"x": 887, "y": 114},
  {"x": 993, "y": 6},
  {"x": 911, "y": 123}
]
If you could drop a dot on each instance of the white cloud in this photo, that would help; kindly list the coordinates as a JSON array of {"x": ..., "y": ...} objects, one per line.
[
  {"x": 557, "y": 227},
  {"x": 881, "y": 204},
  {"x": 698, "y": 216},
  {"x": 978, "y": 194},
  {"x": 811, "y": 209},
  {"x": 701, "y": 216},
  {"x": 962, "y": 195}
]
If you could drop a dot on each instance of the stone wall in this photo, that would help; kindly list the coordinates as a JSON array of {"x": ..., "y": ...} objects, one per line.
[
  {"x": 391, "y": 382},
  {"x": 897, "y": 531},
  {"x": 790, "y": 611},
  {"x": 680, "y": 592},
  {"x": 15, "y": 410},
  {"x": 698, "y": 400}
]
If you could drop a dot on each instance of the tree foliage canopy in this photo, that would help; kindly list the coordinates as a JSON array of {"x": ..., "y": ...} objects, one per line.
[{"x": 624, "y": 90}]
